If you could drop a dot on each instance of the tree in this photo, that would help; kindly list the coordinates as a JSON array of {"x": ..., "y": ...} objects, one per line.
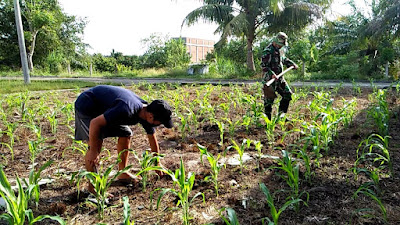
[
  {"x": 250, "y": 18},
  {"x": 41, "y": 16},
  {"x": 47, "y": 31},
  {"x": 304, "y": 51}
]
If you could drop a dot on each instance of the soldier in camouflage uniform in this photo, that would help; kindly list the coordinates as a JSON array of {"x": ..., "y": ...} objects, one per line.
[{"x": 272, "y": 63}]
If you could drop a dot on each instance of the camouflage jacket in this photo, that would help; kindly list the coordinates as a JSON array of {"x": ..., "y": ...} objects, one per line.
[{"x": 272, "y": 61}]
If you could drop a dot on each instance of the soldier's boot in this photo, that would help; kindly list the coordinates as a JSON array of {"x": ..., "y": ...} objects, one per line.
[
  {"x": 283, "y": 108},
  {"x": 268, "y": 107}
]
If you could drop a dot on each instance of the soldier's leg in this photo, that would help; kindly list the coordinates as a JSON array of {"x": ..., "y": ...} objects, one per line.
[
  {"x": 286, "y": 93},
  {"x": 269, "y": 97}
]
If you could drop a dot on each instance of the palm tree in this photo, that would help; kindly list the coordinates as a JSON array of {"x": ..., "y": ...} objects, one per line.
[{"x": 251, "y": 18}]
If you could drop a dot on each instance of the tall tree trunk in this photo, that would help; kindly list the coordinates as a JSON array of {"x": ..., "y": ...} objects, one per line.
[
  {"x": 32, "y": 50},
  {"x": 250, "y": 55},
  {"x": 303, "y": 69},
  {"x": 250, "y": 39}
]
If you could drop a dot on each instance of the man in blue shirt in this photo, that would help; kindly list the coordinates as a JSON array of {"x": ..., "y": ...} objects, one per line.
[{"x": 106, "y": 111}]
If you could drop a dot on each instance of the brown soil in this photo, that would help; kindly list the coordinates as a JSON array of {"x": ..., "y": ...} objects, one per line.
[{"x": 330, "y": 191}]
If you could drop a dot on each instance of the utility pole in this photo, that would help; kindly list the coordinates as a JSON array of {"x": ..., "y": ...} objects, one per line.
[{"x": 21, "y": 42}]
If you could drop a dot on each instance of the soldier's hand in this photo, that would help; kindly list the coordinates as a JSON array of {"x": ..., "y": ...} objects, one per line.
[{"x": 274, "y": 76}]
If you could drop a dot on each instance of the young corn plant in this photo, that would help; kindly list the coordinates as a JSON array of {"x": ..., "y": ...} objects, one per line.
[
  {"x": 101, "y": 183},
  {"x": 365, "y": 190},
  {"x": 11, "y": 127},
  {"x": 240, "y": 150},
  {"x": 148, "y": 160},
  {"x": 185, "y": 186},
  {"x": 275, "y": 213},
  {"x": 232, "y": 125},
  {"x": 33, "y": 182},
  {"x": 380, "y": 112},
  {"x": 258, "y": 146},
  {"x": 17, "y": 211},
  {"x": 221, "y": 128},
  {"x": 52, "y": 118},
  {"x": 215, "y": 166},
  {"x": 375, "y": 149},
  {"x": 291, "y": 168},
  {"x": 302, "y": 153},
  {"x": 270, "y": 125},
  {"x": 127, "y": 212},
  {"x": 231, "y": 214}
]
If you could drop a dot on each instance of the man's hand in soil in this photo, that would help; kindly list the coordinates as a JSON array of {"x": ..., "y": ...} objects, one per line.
[{"x": 91, "y": 163}]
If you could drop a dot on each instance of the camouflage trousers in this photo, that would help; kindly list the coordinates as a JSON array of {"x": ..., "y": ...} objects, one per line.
[{"x": 283, "y": 89}]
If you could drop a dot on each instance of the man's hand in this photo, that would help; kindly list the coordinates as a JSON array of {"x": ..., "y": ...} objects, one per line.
[
  {"x": 295, "y": 66},
  {"x": 91, "y": 163}
]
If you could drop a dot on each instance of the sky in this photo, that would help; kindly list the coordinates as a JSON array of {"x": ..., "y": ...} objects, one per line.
[{"x": 122, "y": 24}]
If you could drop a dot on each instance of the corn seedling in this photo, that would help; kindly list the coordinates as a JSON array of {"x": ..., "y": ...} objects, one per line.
[
  {"x": 148, "y": 160},
  {"x": 380, "y": 112},
  {"x": 221, "y": 128},
  {"x": 33, "y": 182},
  {"x": 185, "y": 185},
  {"x": 231, "y": 214},
  {"x": 356, "y": 88},
  {"x": 17, "y": 210},
  {"x": 275, "y": 213},
  {"x": 11, "y": 127},
  {"x": 215, "y": 166},
  {"x": 258, "y": 146},
  {"x": 375, "y": 149},
  {"x": 303, "y": 154},
  {"x": 269, "y": 127},
  {"x": 288, "y": 165},
  {"x": 101, "y": 182},
  {"x": 52, "y": 118},
  {"x": 364, "y": 189},
  {"x": 240, "y": 150},
  {"x": 246, "y": 122},
  {"x": 79, "y": 146},
  {"x": 127, "y": 212},
  {"x": 232, "y": 125}
]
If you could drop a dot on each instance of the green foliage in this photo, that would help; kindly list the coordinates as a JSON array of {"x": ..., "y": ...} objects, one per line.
[
  {"x": 164, "y": 52},
  {"x": 231, "y": 214},
  {"x": 147, "y": 160},
  {"x": 17, "y": 205},
  {"x": 275, "y": 213},
  {"x": 101, "y": 182},
  {"x": 214, "y": 164},
  {"x": 127, "y": 212},
  {"x": 240, "y": 150},
  {"x": 185, "y": 185}
]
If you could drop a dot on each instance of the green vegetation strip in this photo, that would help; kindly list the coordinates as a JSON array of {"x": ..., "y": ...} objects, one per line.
[{"x": 13, "y": 86}]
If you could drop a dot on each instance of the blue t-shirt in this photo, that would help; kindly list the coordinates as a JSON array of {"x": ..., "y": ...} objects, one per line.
[{"x": 119, "y": 106}]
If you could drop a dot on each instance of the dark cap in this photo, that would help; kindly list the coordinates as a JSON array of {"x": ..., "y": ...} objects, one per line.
[{"x": 162, "y": 112}]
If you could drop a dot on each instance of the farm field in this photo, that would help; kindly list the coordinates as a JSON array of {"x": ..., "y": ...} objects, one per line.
[{"x": 333, "y": 160}]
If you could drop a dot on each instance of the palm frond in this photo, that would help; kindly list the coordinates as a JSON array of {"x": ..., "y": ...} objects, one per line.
[
  {"x": 209, "y": 13},
  {"x": 237, "y": 26}
]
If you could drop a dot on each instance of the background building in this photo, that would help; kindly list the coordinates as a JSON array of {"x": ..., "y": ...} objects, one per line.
[{"x": 197, "y": 48}]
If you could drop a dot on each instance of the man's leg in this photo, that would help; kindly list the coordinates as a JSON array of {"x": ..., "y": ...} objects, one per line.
[
  {"x": 286, "y": 93},
  {"x": 269, "y": 97},
  {"x": 125, "y": 143}
]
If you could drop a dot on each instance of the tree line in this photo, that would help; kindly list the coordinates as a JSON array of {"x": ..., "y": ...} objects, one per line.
[{"x": 355, "y": 46}]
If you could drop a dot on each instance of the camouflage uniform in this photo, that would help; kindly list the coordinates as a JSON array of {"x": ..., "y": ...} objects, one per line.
[{"x": 272, "y": 63}]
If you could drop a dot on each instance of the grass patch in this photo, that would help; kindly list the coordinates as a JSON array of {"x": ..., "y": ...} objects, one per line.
[{"x": 13, "y": 86}]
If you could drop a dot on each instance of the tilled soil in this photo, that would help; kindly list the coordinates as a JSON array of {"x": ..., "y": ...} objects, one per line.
[{"x": 330, "y": 191}]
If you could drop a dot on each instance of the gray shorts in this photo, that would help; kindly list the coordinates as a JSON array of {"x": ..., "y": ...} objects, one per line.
[{"x": 82, "y": 123}]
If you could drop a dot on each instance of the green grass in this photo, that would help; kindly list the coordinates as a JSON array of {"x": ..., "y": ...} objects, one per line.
[{"x": 13, "y": 86}]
